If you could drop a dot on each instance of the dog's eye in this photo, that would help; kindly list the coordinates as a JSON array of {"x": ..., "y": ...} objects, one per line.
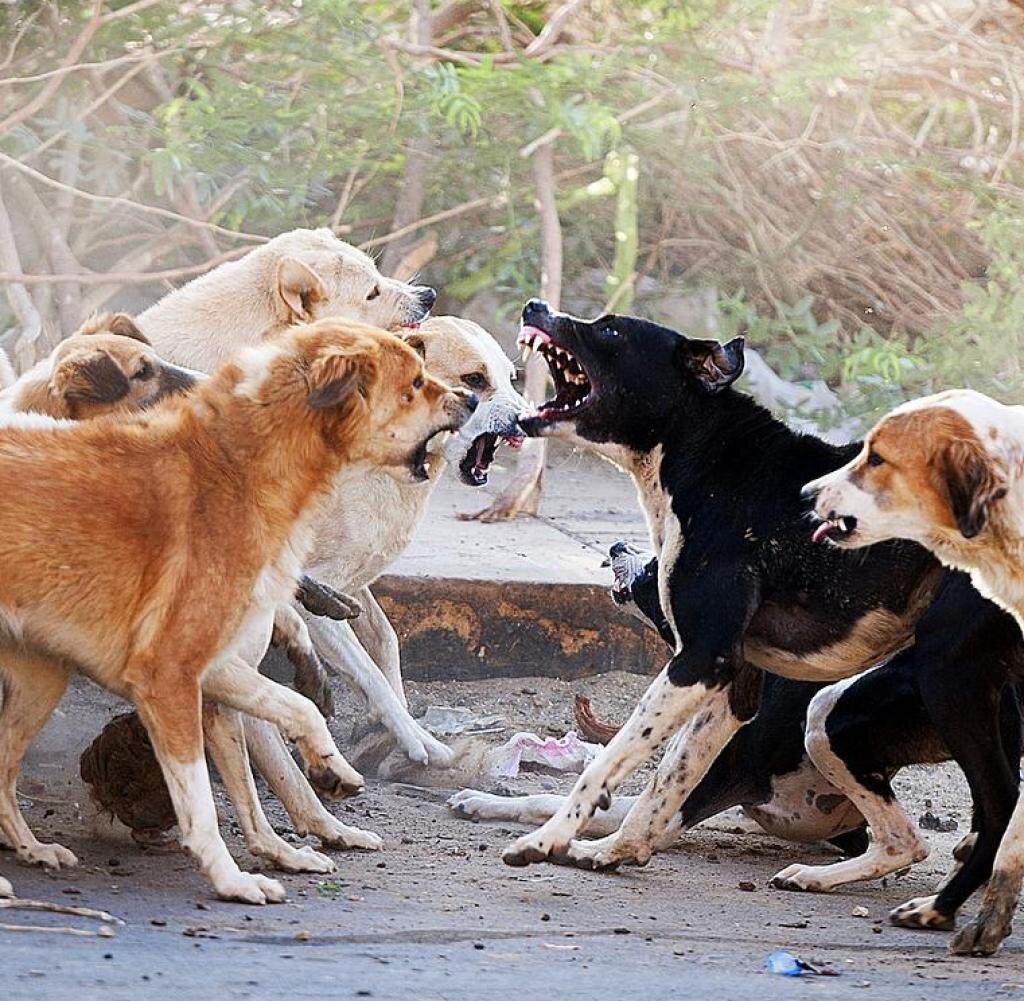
[
  {"x": 475, "y": 380},
  {"x": 144, "y": 372},
  {"x": 417, "y": 383},
  {"x": 374, "y": 292},
  {"x": 874, "y": 459}
]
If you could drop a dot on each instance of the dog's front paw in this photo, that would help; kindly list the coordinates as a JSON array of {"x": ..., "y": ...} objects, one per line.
[
  {"x": 801, "y": 878},
  {"x": 539, "y": 846},
  {"x": 922, "y": 913},
  {"x": 335, "y": 778},
  {"x": 50, "y": 856},
  {"x": 422, "y": 747},
  {"x": 250, "y": 888}
]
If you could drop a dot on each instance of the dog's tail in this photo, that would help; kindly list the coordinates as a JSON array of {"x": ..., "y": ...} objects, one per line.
[{"x": 589, "y": 726}]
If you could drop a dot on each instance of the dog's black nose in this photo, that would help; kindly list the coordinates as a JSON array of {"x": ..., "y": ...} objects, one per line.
[
  {"x": 618, "y": 549},
  {"x": 427, "y": 295},
  {"x": 535, "y": 307}
]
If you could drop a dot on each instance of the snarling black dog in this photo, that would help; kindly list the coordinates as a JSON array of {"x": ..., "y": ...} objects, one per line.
[{"x": 743, "y": 589}]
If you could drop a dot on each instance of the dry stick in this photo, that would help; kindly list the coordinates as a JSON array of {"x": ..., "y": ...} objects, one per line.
[
  {"x": 521, "y": 494},
  {"x": 104, "y": 64},
  {"x": 24, "y": 904},
  {"x": 555, "y": 25},
  {"x": 42, "y": 98},
  {"x": 103, "y": 932},
  {"x": 126, "y": 277},
  {"x": 128, "y": 203}
]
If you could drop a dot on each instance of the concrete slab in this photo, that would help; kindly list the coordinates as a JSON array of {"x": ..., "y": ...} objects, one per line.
[{"x": 528, "y": 597}]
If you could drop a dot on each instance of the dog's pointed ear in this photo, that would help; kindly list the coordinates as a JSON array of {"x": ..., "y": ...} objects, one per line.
[
  {"x": 92, "y": 377},
  {"x": 337, "y": 376},
  {"x": 298, "y": 287},
  {"x": 713, "y": 364},
  {"x": 125, "y": 326},
  {"x": 971, "y": 482}
]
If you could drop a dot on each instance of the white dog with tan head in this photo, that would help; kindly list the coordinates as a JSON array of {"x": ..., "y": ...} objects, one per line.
[{"x": 946, "y": 471}]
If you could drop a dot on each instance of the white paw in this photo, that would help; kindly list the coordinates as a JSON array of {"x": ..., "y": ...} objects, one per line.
[
  {"x": 291, "y": 859},
  {"x": 807, "y": 878},
  {"x": 921, "y": 913},
  {"x": 6, "y": 890},
  {"x": 475, "y": 805},
  {"x": 542, "y": 845},
  {"x": 250, "y": 888},
  {"x": 52, "y": 856},
  {"x": 419, "y": 746},
  {"x": 334, "y": 834}
]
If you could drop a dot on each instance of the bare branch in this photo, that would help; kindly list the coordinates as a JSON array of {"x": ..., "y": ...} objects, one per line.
[
  {"x": 128, "y": 203},
  {"x": 42, "y": 98},
  {"x": 24, "y": 309},
  {"x": 555, "y": 26},
  {"x": 123, "y": 277},
  {"x": 102, "y": 65}
]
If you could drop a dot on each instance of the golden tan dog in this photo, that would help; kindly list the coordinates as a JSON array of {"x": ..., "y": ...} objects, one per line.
[
  {"x": 947, "y": 471},
  {"x": 150, "y": 552}
]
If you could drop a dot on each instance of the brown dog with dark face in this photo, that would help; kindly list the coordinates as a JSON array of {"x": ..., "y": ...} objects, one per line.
[
  {"x": 107, "y": 366},
  {"x": 151, "y": 551}
]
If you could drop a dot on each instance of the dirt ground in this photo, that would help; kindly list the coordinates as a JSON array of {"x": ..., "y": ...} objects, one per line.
[{"x": 437, "y": 915}]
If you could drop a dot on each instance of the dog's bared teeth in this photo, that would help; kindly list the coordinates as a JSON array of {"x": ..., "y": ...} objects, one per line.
[{"x": 841, "y": 523}]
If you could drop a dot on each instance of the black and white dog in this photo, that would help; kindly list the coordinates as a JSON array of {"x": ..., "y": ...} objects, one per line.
[{"x": 741, "y": 589}]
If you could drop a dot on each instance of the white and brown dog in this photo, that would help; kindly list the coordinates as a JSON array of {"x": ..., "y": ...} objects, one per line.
[
  {"x": 946, "y": 471},
  {"x": 113, "y": 542},
  {"x": 296, "y": 277}
]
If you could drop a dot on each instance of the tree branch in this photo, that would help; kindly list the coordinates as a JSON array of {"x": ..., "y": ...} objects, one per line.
[
  {"x": 42, "y": 98},
  {"x": 127, "y": 203},
  {"x": 24, "y": 309}
]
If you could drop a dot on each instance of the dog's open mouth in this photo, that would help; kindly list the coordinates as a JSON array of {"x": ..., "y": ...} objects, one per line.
[
  {"x": 418, "y": 463},
  {"x": 572, "y": 384},
  {"x": 477, "y": 462},
  {"x": 835, "y": 529}
]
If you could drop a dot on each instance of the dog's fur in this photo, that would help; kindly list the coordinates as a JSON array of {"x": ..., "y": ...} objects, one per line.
[
  {"x": 740, "y": 583},
  {"x": 108, "y": 367},
  {"x": 105, "y": 367},
  {"x": 946, "y": 471},
  {"x": 114, "y": 541},
  {"x": 370, "y": 518}
]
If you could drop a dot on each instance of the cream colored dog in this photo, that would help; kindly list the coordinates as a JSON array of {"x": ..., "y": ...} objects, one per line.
[{"x": 369, "y": 517}]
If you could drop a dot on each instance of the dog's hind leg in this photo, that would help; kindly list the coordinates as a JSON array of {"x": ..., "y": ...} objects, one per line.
[
  {"x": 836, "y": 746},
  {"x": 374, "y": 630},
  {"x": 309, "y": 816},
  {"x": 337, "y": 644},
  {"x": 234, "y": 683},
  {"x": 470, "y": 804},
  {"x": 172, "y": 715},
  {"x": 32, "y": 687},
  {"x": 225, "y": 740}
]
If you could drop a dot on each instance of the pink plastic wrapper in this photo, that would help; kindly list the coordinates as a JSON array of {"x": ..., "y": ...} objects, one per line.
[{"x": 563, "y": 754}]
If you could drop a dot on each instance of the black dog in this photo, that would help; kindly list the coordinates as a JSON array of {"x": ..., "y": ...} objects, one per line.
[{"x": 741, "y": 587}]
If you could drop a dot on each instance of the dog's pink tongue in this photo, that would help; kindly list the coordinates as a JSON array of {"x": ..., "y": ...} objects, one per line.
[{"x": 821, "y": 531}]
